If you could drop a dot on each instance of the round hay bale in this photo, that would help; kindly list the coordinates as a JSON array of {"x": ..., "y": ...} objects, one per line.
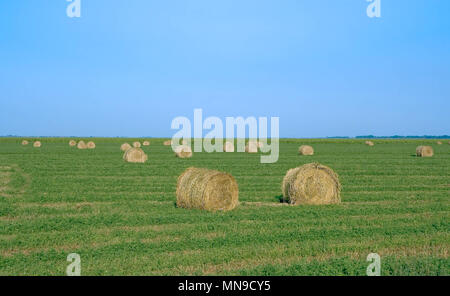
[
  {"x": 167, "y": 143},
  {"x": 183, "y": 151},
  {"x": 125, "y": 146},
  {"x": 207, "y": 190},
  {"x": 312, "y": 184},
  {"x": 135, "y": 155},
  {"x": 25, "y": 142},
  {"x": 424, "y": 151},
  {"x": 37, "y": 144},
  {"x": 251, "y": 147},
  {"x": 137, "y": 144},
  {"x": 439, "y": 142},
  {"x": 369, "y": 143},
  {"x": 81, "y": 145},
  {"x": 146, "y": 143},
  {"x": 72, "y": 143},
  {"x": 306, "y": 150},
  {"x": 90, "y": 145},
  {"x": 228, "y": 147}
]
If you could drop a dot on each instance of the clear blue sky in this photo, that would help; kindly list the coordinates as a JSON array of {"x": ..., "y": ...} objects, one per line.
[{"x": 127, "y": 68}]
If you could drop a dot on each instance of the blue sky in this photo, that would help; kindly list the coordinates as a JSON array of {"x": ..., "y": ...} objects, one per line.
[{"x": 127, "y": 68}]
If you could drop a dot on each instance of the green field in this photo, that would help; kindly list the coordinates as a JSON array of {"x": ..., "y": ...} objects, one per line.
[{"x": 122, "y": 219}]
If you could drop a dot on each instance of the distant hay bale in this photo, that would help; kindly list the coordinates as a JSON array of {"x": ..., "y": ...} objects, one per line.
[
  {"x": 251, "y": 147},
  {"x": 306, "y": 150},
  {"x": 125, "y": 146},
  {"x": 424, "y": 151},
  {"x": 37, "y": 144},
  {"x": 137, "y": 144},
  {"x": 260, "y": 144},
  {"x": 167, "y": 143},
  {"x": 135, "y": 155},
  {"x": 183, "y": 151},
  {"x": 146, "y": 143},
  {"x": 90, "y": 145},
  {"x": 25, "y": 142},
  {"x": 207, "y": 190},
  {"x": 312, "y": 184},
  {"x": 81, "y": 145},
  {"x": 72, "y": 143},
  {"x": 370, "y": 143},
  {"x": 228, "y": 146},
  {"x": 439, "y": 142}
]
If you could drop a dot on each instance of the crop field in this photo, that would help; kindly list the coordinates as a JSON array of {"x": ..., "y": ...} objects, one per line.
[{"x": 121, "y": 218}]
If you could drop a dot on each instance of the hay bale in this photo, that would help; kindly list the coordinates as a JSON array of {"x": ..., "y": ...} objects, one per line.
[
  {"x": 90, "y": 145},
  {"x": 183, "y": 151},
  {"x": 228, "y": 146},
  {"x": 167, "y": 143},
  {"x": 369, "y": 143},
  {"x": 135, "y": 155},
  {"x": 306, "y": 150},
  {"x": 207, "y": 190},
  {"x": 72, "y": 143},
  {"x": 37, "y": 144},
  {"x": 260, "y": 144},
  {"x": 25, "y": 142},
  {"x": 439, "y": 142},
  {"x": 125, "y": 146},
  {"x": 146, "y": 143},
  {"x": 424, "y": 151},
  {"x": 312, "y": 184},
  {"x": 137, "y": 144},
  {"x": 251, "y": 147},
  {"x": 81, "y": 145}
]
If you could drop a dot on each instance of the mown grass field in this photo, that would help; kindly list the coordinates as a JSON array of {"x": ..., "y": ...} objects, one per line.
[{"x": 122, "y": 219}]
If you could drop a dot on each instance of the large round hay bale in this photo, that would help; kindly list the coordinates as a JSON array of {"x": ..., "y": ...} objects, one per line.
[
  {"x": 251, "y": 147},
  {"x": 207, "y": 190},
  {"x": 125, "y": 146},
  {"x": 90, "y": 145},
  {"x": 72, "y": 143},
  {"x": 306, "y": 150},
  {"x": 424, "y": 151},
  {"x": 37, "y": 144},
  {"x": 137, "y": 144},
  {"x": 25, "y": 142},
  {"x": 439, "y": 142},
  {"x": 146, "y": 143},
  {"x": 228, "y": 147},
  {"x": 183, "y": 151},
  {"x": 135, "y": 155},
  {"x": 312, "y": 184},
  {"x": 369, "y": 143},
  {"x": 81, "y": 145}
]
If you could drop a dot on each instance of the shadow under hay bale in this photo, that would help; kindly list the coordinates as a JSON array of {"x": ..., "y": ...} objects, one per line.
[
  {"x": 311, "y": 184},
  {"x": 135, "y": 155},
  {"x": 207, "y": 190},
  {"x": 424, "y": 151},
  {"x": 306, "y": 150}
]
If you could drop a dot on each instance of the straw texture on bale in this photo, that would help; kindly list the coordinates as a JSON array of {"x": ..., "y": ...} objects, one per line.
[
  {"x": 90, "y": 145},
  {"x": 72, "y": 143},
  {"x": 37, "y": 144},
  {"x": 424, "y": 151},
  {"x": 251, "y": 147},
  {"x": 25, "y": 142},
  {"x": 183, "y": 151},
  {"x": 125, "y": 146},
  {"x": 370, "y": 143},
  {"x": 146, "y": 143},
  {"x": 207, "y": 190},
  {"x": 137, "y": 144},
  {"x": 135, "y": 155},
  {"x": 306, "y": 150},
  {"x": 228, "y": 147},
  {"x": 311, "y": 184},
  {"x": 81, "y": 145}
]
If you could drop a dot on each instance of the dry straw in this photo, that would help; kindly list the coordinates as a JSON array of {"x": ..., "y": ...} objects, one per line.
[
  {"x": 125, "y": 146},
  {"x": 81, "y": 145},
  {"x": 135, "y": 155},
  {"x": 207, "y": 190},
  {"x": 183, "y": 151},
  {"x": 228, "y": 147},
  {"x": 146, "y": 143},
  {"x": 306, "y": 150},
  {"x": 25, "y": 142},
  {"x": 439, "y": 142},
  {"x": 72, "y": 143},
  {"x": 251, "y": 147},
  {"x": 137, "y": 144},
  {"x": 424, "y": 151},
  {"x": 90, "y": 145},
  {"x": 312, "y": 184},
  {"x": 37, "y": 144},
  {"x": 370, "y": 143}
]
